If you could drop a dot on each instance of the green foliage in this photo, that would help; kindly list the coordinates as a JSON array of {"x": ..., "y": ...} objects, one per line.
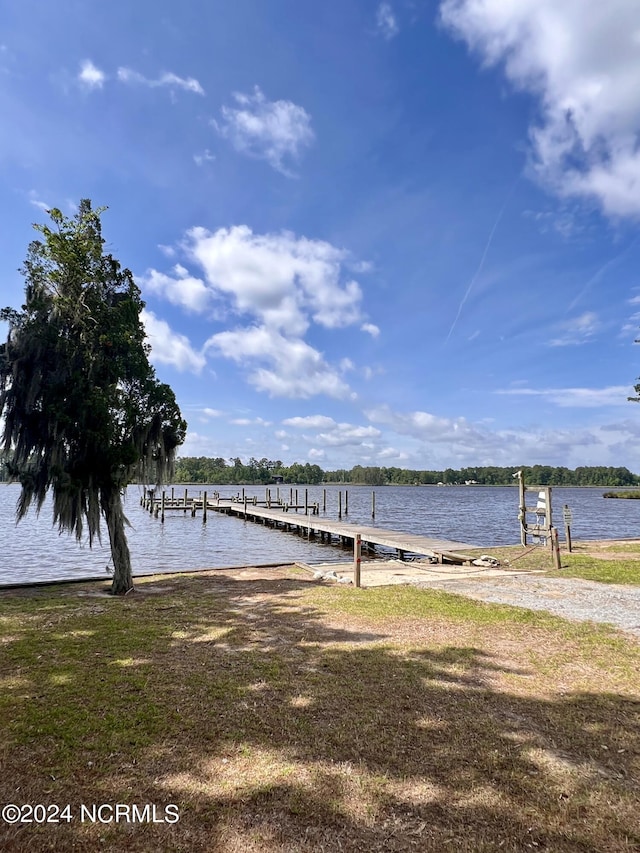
[
  {"x": 191, "y": 469},
  {"x": 84, "y": 412}
]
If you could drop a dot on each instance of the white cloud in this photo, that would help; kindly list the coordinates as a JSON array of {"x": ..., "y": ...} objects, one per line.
[
  {"x": 342, "y": 435},
  {"x": 212, "y": 413},
  {"x": 282, "y": 367},
  {"x": 90, "y": 76},
  {"x": 581, "y": 61},
  {"x": 386, "y": 22},
  {"x": 275, "y": 131},
  {"x": 168, "y": 347},
  {"x": 180, "y": 289},
  {"x": 314, "y": 453},
  {"x": 579, "y": 330},
  {"x": 588, "y": 398},
  {"x": 370, "y": 329},
  {"x": 310, "y": 422},
  {"x": 280, "y": 279},
  {"x": 281, "y": 283},
  {"x": 168, "y": 80}
]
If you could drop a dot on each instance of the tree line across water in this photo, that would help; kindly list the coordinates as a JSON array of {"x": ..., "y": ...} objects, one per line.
[{"x": 203, "y": 469}]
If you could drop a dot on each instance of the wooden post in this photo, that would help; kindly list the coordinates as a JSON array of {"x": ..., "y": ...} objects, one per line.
[
  {"x": 339, "y": 503},
  {"x": 185, "y": 501},
  {"x": 162, "y": 507},
  {"x": 566, "y": 512},
  {"x": 522, "y": 515},
  {"x": 172, "y": 494},
  {"x": 296, "y": 500},
  {"x": 245, "y": 505},
  {"x": 373, "y": 504},
  {"x": 346, "y": 502},
  {"x": 357, "y": 558},
  {"x": 290, "y": 495},
  {"x": 324, "y": 500},
  {"x": 306, "y": 500},
  {"x": 555, "y": 548},
  {"x": 204, "y": 508}
]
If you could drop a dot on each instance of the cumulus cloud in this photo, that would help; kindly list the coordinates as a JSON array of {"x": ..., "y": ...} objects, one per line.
[
  {"x": 90, "y": 76},
  {"x": 168, "y": 347},
  {"x": 281, "y": 284},
  {"x": 167, "y": 80},
  {"x": 282, "y": 280},
  {"x": 283, "y": 367},
  {"x": 275, "y": 131},
  {"x": 386, "y": 22},
  {"x": 582, "y": 65},
  {"x": 310, "y": 422},
  {"x": 179, "y": 289}
]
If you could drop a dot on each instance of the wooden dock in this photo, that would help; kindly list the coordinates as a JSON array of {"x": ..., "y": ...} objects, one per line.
[{"x": 309, "y": 523}]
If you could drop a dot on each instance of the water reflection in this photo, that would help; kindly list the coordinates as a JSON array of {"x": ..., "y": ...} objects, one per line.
[{"x": 484, "y": 516}]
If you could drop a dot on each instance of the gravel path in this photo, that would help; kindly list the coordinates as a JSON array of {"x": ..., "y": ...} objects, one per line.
[{"x": 567, "y": 597}]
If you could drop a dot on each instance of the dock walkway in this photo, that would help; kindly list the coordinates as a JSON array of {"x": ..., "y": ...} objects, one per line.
[{"x": 310, "y": 524}]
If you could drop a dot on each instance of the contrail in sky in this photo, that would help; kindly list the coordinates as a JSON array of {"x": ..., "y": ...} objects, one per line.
[
  {"x": 484, "y": 255},
  {"x": 603, "y": 269}
]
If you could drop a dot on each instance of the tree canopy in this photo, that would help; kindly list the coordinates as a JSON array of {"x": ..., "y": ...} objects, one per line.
[{"x": 84, "y": 413}]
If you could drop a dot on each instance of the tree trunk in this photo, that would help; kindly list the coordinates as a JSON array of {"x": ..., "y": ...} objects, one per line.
[{"x": 114, "y": 516}]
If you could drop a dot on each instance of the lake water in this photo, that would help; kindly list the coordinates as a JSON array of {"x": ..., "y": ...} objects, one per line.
[{"x": 483, "y": 516}]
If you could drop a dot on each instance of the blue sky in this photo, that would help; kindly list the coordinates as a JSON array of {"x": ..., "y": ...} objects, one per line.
[{"x": 400, "y": 233}]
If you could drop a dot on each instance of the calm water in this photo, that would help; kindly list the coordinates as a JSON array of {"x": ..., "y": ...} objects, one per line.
[{"x": 33, "y": 550}]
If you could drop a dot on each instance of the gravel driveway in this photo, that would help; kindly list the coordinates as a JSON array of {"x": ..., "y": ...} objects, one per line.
[{"x": 570, "y": 598}]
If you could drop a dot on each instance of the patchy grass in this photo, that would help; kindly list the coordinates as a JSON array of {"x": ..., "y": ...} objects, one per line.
[
  {"x": 605, "y": 562},
  {"x": 598, "y": 569},
  {"x": 280, "y": 715}
]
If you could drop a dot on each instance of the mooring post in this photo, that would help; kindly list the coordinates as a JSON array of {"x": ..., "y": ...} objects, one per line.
[
  {"x": 290, "y": 495},
  {"x": 306, "y": 501},
  {"x": 185, "y": 502},
  {"x": 357, "y": 558},
  {"x": 566, "y": 512},
  {"x": 324, "y": 500},
  {"x": 245, "y": 506},
  {"x": 204, "y": 508},
  {"x": 296, "y": 500},
  {"x": 555, "y": 548},
  {"x": 162, "y": 507},
  {"x": 373, "y": 504},
  {"x": 171, "y": 494},
  {"x": 339, "y": 503},
  {"x": 346, "y": 502}
]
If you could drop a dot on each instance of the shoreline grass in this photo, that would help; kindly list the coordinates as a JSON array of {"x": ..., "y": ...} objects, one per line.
[{"x": 283, "y": 715}]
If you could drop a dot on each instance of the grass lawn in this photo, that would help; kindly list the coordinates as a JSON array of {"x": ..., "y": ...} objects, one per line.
[
  {"x": 611, "y": 562},
  {"x": 282, "y": 715}
]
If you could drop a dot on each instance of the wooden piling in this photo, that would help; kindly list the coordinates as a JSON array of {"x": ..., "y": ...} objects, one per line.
[
  {"x": 555, "y": 548},
  {"x": 204, "y": 508},
  {"x": 162, "y": 506},
  {"x": 357, "y": 558},
  {"x": 185, "y": 502},
  {"x": 373, "y": 504},
  {"x": 346, "y": 502},
  {"x": 339, "y": 503},
  {"x": 324, "y": 500}
]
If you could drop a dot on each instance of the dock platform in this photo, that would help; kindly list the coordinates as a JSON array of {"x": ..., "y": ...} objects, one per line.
[{"x": 330, "y": 531}]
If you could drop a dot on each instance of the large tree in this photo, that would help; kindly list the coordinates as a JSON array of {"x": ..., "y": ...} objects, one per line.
[{"x": 84, "y": 413}]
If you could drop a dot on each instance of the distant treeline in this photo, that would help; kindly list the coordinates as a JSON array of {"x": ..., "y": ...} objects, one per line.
[{"x": 203, "y": 469}]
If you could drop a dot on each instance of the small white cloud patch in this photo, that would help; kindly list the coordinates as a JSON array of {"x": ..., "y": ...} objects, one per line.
[
  {"x": 275, "y": 131},
  {"x": 90, "y": 76}
]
